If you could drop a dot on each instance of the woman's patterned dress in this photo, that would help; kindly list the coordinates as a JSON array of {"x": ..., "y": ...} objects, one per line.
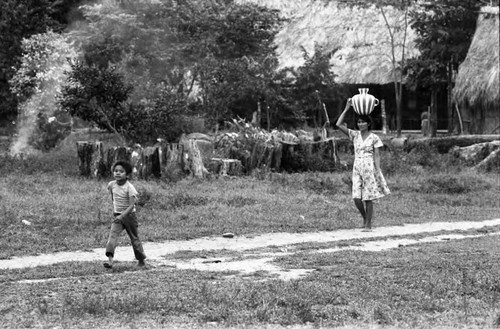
[{"x": 367, "y": 184}]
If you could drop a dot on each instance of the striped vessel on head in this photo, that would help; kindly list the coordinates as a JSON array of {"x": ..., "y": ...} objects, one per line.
[{"x": 364, "y": 103}]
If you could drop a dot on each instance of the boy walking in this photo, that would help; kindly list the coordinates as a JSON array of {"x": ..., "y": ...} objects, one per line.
[{"x": 124, "y": 196}]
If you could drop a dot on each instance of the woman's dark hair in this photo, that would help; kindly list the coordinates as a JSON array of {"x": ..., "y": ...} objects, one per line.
[
  {"x": 125, "y": 164},
  {"x": 365, "y": 118}
]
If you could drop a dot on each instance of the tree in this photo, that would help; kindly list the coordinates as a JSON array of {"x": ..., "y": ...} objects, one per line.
[
  {"x": 240, "y": 76},
  {"x": 98, "y": 95},
  {"x": 313, "y": 79},
  {"x": 36, "y": 84},
  {"x": 20, "y": 19},
  {"x": 217, "y": 52},
  {"x": 445, "y": 29}
]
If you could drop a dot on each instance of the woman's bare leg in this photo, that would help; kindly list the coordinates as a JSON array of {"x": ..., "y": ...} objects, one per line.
[
  {"x": 369, "y": 213},
  {"x": 361, "y": 207}
]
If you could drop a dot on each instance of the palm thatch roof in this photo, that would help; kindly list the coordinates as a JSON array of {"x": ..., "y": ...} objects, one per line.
[
  {"x": 358, "y": 39},
  {"x": 477, "y": 80}
]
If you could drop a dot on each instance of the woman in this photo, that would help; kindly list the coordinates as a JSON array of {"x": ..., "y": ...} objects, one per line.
[{"x": 368, "y": 183}]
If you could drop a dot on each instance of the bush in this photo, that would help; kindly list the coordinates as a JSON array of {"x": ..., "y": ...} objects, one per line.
[
  {"x": 398, "y": 161},
  {"x": 452, "y": 184},
  {"x": 49, "y": 132}
]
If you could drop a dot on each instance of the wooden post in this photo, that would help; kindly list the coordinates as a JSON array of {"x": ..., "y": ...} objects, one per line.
[
  {"x": 259, "y": 114},
  {"x": 384, "y": 117},
  {"x": 91, "y": 159},
  {"x": 433, "y": 113}
]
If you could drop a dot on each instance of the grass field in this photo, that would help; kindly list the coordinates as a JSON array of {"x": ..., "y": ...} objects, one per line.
[{"x": 450, "y": 284}]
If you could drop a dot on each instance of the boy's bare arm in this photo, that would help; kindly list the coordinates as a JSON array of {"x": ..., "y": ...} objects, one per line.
[{"x": 110, "y": 192}]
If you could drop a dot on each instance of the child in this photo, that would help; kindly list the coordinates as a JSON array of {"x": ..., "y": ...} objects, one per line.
[
  {"x": 368, "y": 183},
  {"x": 124, "y": 197}
]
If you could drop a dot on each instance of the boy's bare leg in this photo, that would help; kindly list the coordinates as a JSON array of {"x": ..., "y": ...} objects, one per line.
[
  {"x": 109, "y": 263},
  {"x": 361, "y": 207}
]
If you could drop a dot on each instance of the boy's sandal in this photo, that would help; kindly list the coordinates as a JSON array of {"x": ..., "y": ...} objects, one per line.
[{"x": 108, "y": 265}]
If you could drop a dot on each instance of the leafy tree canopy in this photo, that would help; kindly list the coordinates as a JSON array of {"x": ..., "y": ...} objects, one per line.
[
  {"x": 445, "y": 29},
  {"x": 216, "y": 52}
]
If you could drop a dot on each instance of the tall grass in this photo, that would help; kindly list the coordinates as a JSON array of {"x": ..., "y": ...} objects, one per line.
[
  {"x": 447, "y": 285},
  {"x": 69, "y": 212}
]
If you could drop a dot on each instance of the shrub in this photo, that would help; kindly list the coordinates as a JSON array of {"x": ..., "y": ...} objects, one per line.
[
  {"x": 452, "y": 184},
  {"x": 394, "y": 162}
]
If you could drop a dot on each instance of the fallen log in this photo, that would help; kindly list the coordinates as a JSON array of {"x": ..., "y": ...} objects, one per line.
[
  {"x": 474, "y": 154},
  {"x": 445, "y": 144},
  {"x": 490, "y": 163}
]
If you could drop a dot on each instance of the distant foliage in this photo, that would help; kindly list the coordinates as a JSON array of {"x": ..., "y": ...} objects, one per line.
[
  {"x": 213, "y": 59},
  {"x": 37, "y": 85},
  {"x": 19, "y": 20},
  {"x": 97, "y": 95}
]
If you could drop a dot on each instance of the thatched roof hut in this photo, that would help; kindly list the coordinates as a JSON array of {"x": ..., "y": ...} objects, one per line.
[
  {"x": 477, "y": 79},
  {"x": 357, "y": 38},
  {"x": 477, "y": 87}
]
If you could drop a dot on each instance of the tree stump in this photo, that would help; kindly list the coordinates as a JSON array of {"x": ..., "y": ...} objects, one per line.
[
  {"x": 194, "y": 160},
  {"x": 91, "y": 159},
  {"x": 172, "y": 155},
  {"x": 204, "y": 144},
  {"x": 150, "y": 163},
  {"x": 172, "y": 161},
  {"x": 118, "y": 153},
  {"x": 226, "y": 167},
  {"x": 276, "y": 157}
]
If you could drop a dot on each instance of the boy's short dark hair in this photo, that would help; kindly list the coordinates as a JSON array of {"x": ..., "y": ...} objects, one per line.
[
  {"x": 365, "y": 118},
  {"x": 125, "y": 164}
]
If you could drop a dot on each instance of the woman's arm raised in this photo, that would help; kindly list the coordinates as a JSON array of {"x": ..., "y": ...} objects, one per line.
[{"x": 340, "y": 121}]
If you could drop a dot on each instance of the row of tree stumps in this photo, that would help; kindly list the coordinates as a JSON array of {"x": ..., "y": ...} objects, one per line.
[
  {"x": 154, "y": 161},
  {"x": 95, "y": 161},
  {"x": 195, "y": 159}
]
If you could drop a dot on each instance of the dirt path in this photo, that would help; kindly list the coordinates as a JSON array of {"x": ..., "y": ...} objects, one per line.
[{"x": 257, "y": 252}]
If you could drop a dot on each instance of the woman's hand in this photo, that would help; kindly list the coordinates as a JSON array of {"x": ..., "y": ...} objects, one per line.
[{"x": 348, "y": 104}]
